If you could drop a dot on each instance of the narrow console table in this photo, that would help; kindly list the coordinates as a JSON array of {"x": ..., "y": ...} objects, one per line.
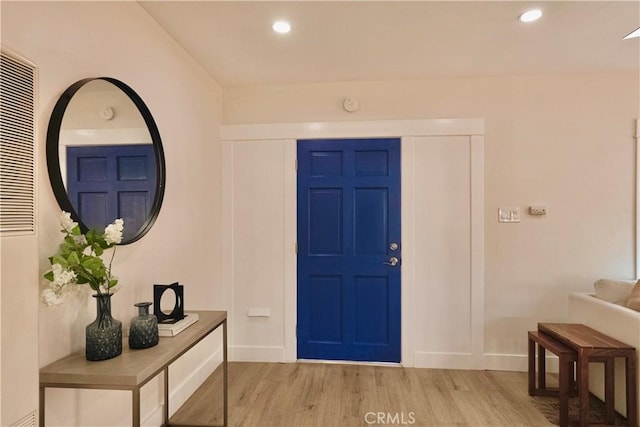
[
  {"x": 594, "y": 346},
  {"x": 134, "y": 368}
]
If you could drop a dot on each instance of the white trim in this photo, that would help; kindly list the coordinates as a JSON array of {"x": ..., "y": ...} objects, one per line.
[
  {"x": 489, "y": 361},
  {"x": 476, "y": 153},
  {"x": 258, "y": 353},
  {"x": 380, "y": 128},
  {"x": 637, "y": 225},
  {"x": 181, "y": 393},
  {"x": 437, "y": 360},
  {"x": 473, "y": 128},
  {"x": 516, "y": 362},
  {"x": 184, "y": 390},
  {"x": 407, "y": 147},
  {"x": 290, "y": 259},
  {"x": 227, "y": 232},
  {"x": 122, "y": 136}
]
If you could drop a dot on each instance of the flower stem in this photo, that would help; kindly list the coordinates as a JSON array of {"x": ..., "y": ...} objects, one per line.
[{"x": 113, "y": 254}]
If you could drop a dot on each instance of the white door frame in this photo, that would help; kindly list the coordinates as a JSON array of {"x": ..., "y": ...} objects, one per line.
[
  {"x": 407, "y": 130},
  {"x": 637, "y": 233}
]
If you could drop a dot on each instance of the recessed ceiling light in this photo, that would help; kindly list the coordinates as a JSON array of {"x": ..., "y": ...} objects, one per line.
[
  {"x": 633, "y": 34},
  {"x": 530, "y": 15},
  {"x": 282, "y": 27}
]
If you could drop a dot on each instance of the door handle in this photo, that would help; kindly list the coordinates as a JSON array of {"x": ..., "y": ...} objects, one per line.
[{"x": 393, "y": 261}]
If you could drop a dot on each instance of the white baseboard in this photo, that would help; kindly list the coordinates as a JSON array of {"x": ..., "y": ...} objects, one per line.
[
  {"x": 516, "y": 362},
  {"x": 436, "y": 360},
  {"x": 240, "y": 353},
  {"x": 505, "y": 362},
  {"x": 179, "y": 393},
  {"x": 490, "y": 361},
  {"x": 423, "y": 359}
]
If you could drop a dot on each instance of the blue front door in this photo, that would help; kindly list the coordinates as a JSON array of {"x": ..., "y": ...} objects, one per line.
[
  {"x": 105, "y": 182},
  {"x": 348, "y": 237}
]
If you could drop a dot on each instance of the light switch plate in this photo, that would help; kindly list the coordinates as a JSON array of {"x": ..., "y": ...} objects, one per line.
[
  {"x": 508, "y": 214},
  {"x": 259, "y": 312},
  {"x": 537, "y": 210}
]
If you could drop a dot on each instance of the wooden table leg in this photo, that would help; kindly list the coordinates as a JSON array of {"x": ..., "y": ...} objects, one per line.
[
  {"x": 583, "y": 389},
  {"x": 225, "y": 384},
  {"x": 563, "y": 392},
  {"x": 542, "y": 370},
  {"x": 41, "y": 405},
  {"x": 135, "y": 410},
  {"x": 532, "y": 367},
  {"x": 165, "y": 412},
  {"x": 632, "y": 396},
  {"x": 609, "y": 389}
]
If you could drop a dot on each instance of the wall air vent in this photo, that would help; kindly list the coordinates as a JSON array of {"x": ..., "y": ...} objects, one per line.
[
  {"x": 17, "y": 145},
  {"x": 28, "y": 420}
]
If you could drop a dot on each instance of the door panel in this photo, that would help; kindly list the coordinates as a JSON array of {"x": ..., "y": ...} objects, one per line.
[
  {"x": 348, "y": 216},
  {"x": 370, "y": 221},
  {"x": 105, "y": 182},
  {"x": 325, "y": 304},
  {"x": 325, "y": 221},
  {"x": 371, "y": 310}
]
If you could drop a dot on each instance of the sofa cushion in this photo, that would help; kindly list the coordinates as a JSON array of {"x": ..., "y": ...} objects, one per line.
[
  {"x": 633, "y": 302},
  {"x": 615, "y": 291}
]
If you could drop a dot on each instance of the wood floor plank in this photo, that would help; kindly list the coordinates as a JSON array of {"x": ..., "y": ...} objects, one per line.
[{"x": 345, "y": 395}]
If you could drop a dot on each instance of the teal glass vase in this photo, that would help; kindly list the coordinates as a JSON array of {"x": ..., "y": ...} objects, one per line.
[
  {"x": 104, "y": 335},
  {"x": 143, "y": 332}
]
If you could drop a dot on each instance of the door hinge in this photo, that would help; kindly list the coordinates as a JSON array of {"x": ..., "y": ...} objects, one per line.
[
  {"x": 296, "y": 248},
  {"x": 296, "y": 331},
  {"x": 296, "y": 165}
]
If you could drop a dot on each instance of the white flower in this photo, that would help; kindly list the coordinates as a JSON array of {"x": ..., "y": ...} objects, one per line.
[
  {"x": 66, "y": 222},
  {"x": 80, "y": 239},
  {"x": 61, "y": 276},
  {"x": 113, "y": 232},
  {"x": 51, "y": 298}
]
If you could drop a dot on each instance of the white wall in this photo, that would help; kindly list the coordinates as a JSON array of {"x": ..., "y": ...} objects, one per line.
[
  {"x": 19, "y": 368},
  {"x": 563, "y": 141},
  {"x": 69, "y": 41},
  {"x": 441, "y": 183},
  {"x": 258, "y": 250}
]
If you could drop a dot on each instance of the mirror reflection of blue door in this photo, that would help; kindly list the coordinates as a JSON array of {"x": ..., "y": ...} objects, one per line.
[
  {"x": 349, "y": 249},
  {"x": 106, "y": 182}
]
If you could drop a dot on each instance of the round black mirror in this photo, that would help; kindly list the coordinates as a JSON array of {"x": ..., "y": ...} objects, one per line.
[{"x": 105, "y": 157}]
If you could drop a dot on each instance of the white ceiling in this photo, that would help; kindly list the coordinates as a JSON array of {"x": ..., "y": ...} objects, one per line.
[{"x": 396, "y": 40}]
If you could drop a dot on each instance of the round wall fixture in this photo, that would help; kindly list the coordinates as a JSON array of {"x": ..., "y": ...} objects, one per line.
[
  {"x": 107, "y": 113},
  {"x": 350, "y": 104}
]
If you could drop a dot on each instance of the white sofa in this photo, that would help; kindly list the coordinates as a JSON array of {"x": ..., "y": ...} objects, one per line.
[{"x": 618, "y": 322}]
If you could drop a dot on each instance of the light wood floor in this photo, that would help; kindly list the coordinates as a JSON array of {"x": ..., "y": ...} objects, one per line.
[{"x": 312, "y": 394}]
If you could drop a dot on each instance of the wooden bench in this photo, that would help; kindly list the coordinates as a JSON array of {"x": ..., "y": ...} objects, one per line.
[
  {"x": 567, "y": 357},
  {"x": 593, "y": 346}
]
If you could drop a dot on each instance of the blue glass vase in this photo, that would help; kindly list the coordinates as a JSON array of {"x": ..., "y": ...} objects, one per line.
[
  {"x": 144, "y": 328},
  {"x": 104, "y": 335}
]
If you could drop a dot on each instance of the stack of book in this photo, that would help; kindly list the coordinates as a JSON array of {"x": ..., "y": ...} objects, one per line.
[{"x": 173, "y": 329}]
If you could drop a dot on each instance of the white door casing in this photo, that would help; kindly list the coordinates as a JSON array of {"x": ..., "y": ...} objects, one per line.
[{"x": 273, "y": 338}]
